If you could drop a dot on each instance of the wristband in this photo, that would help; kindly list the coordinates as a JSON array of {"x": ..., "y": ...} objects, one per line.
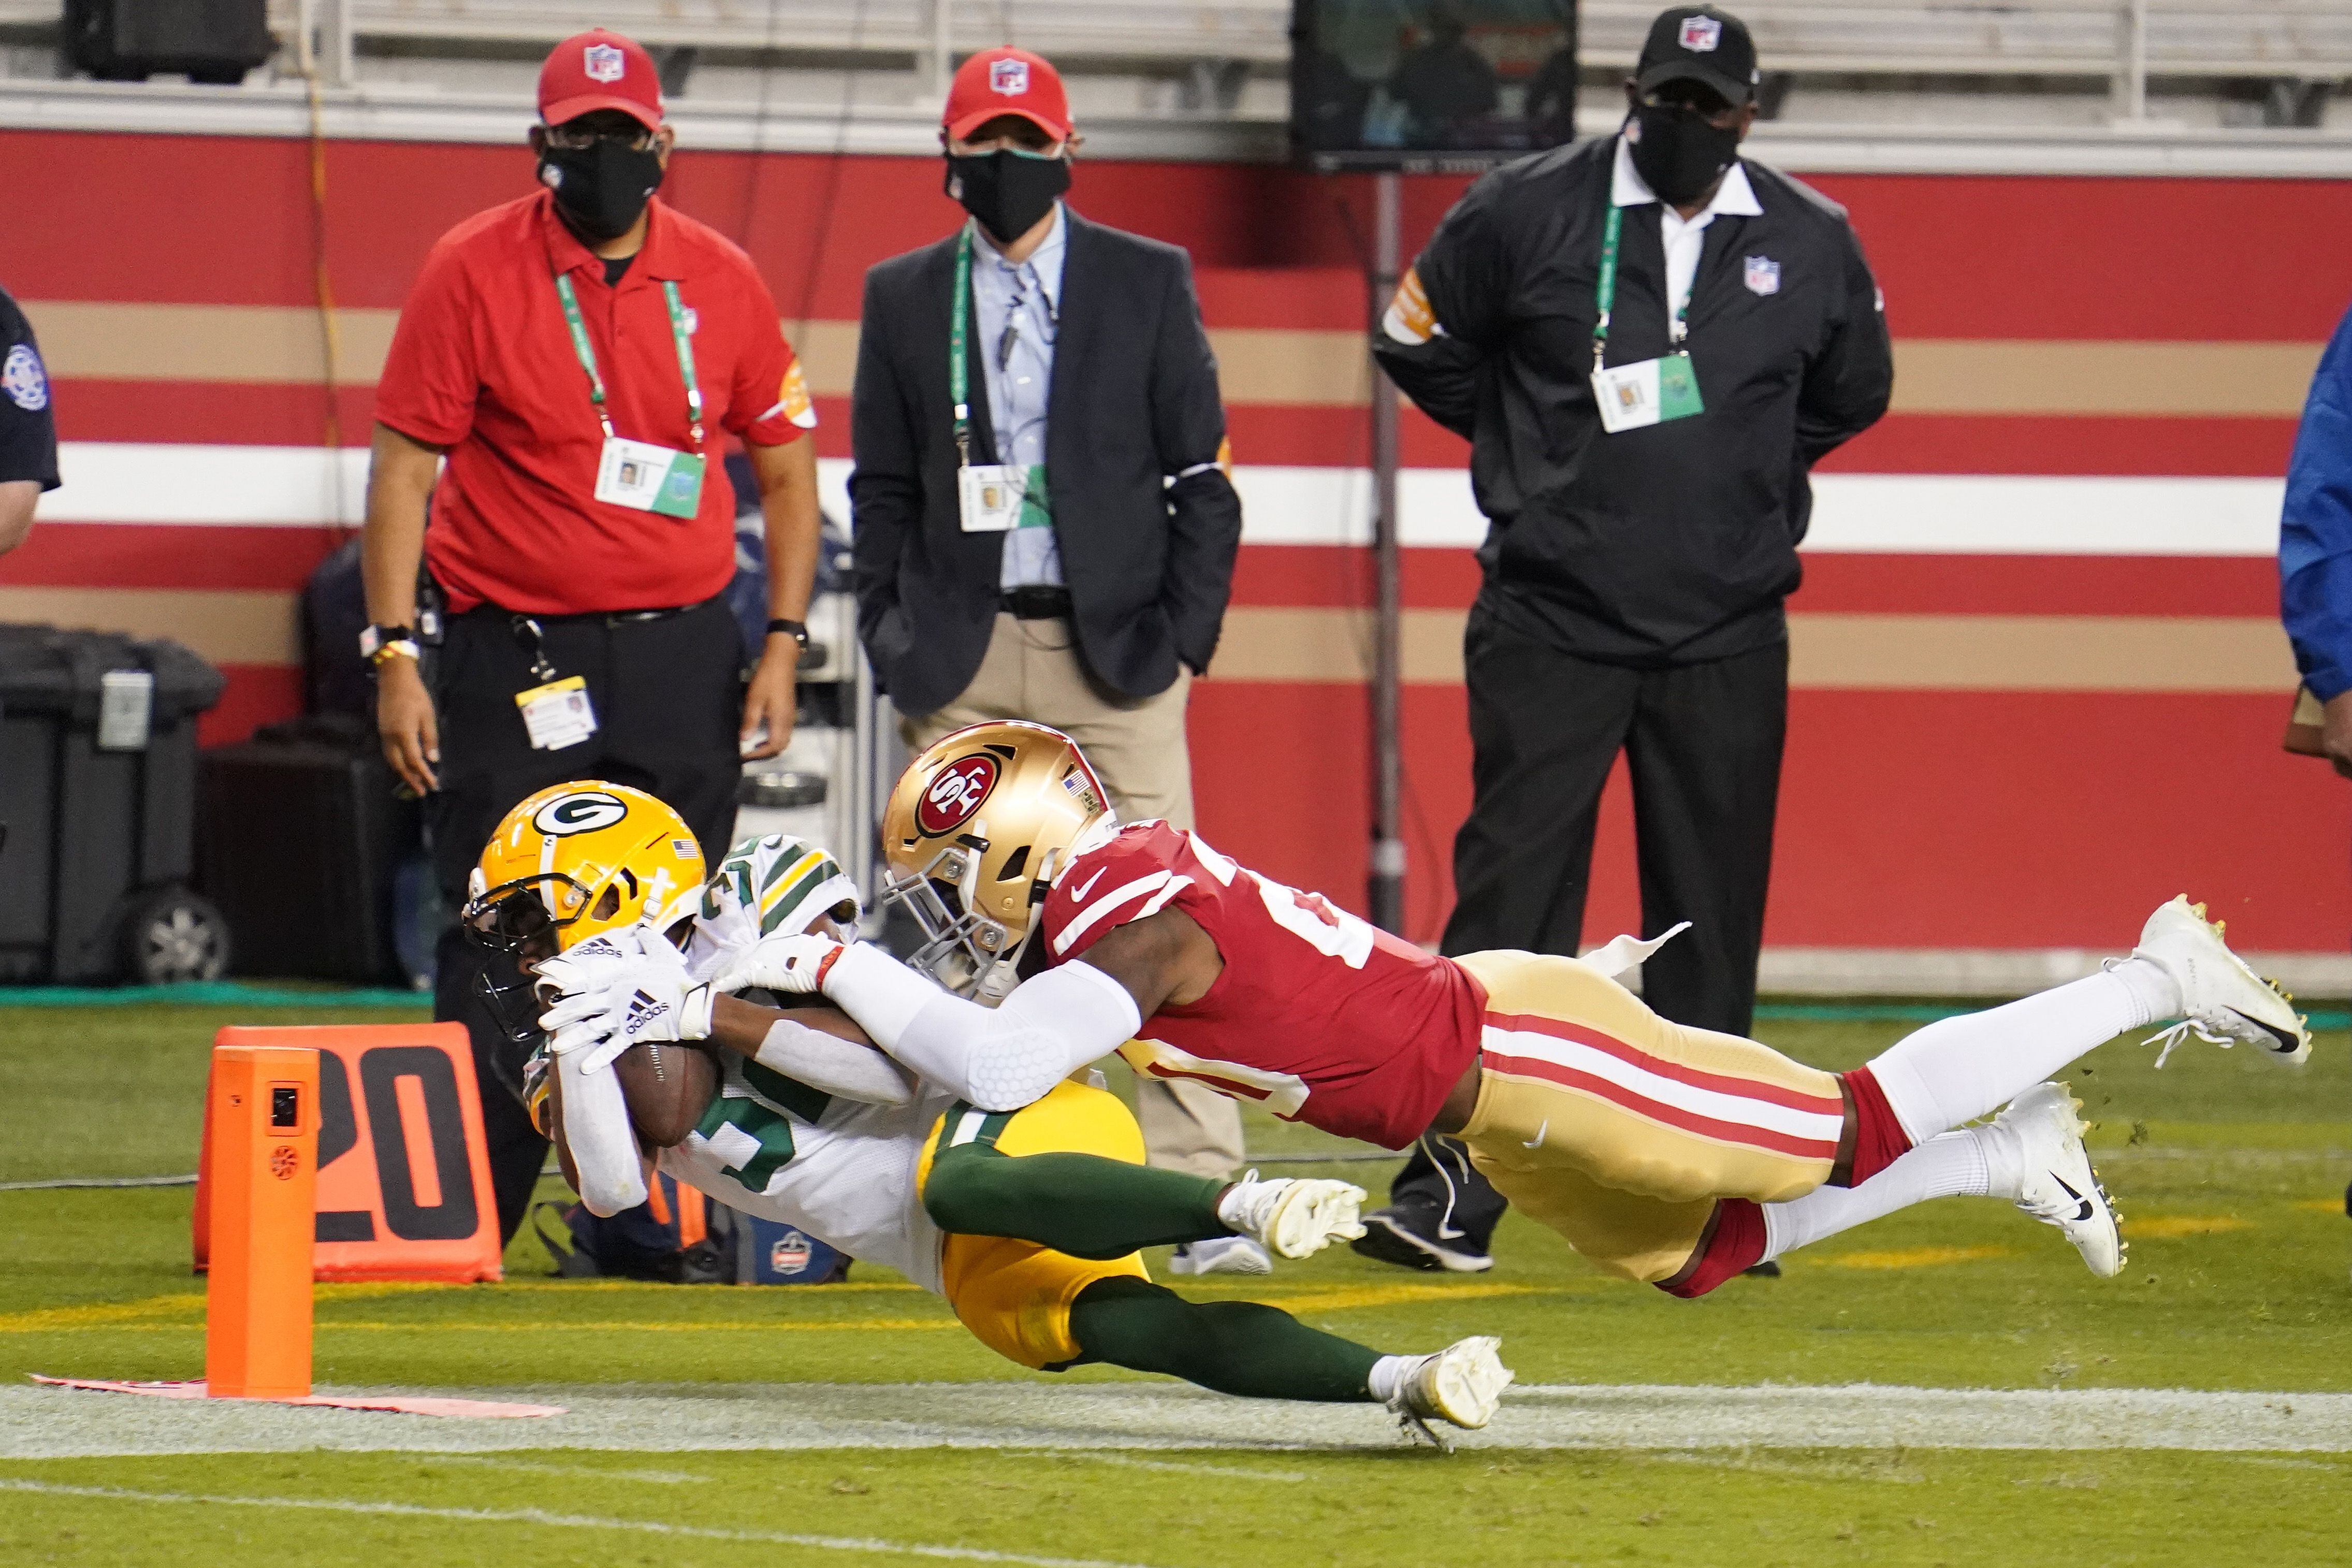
[{"x": 796, "y": 630}]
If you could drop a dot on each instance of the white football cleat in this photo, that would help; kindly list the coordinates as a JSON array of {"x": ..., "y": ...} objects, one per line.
[
  {"x": 1291, "y": 1217},
  {"x": 1220, "y": 1255},
  {"x": 2222, "y": 1000},
  {"x": 1460, "y": 1386},
  {"x": 2059, "y": 1187}
]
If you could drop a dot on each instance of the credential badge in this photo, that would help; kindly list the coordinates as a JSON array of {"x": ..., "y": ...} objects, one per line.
[
  {"x": 606, "y": 63},
  {"x": 1701, "y": 34},
  {"x": 1009, "y": 78},
  {"x": 1763, "y": 275}
]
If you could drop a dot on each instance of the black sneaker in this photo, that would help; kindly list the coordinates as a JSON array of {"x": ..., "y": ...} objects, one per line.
[{"x": 1411, "y": 1236}]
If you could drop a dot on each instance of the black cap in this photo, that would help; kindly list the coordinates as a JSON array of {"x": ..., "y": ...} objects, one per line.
[{"x": 1699, "y": 42}]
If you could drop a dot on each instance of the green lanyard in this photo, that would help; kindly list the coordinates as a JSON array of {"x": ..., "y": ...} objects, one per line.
[
  {"x": 1604, "y": 293},
  {"x": 958, "y": 356},
  {"x": 678, "y": 335}
]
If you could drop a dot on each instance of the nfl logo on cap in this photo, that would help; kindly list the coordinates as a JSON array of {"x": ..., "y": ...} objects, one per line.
[
  {"x": 1763, "y": 275},
  {"x": 1701, "y": 34},
  {"x": 606, "y": 63},
  {"x": 1009, "y": 78}
]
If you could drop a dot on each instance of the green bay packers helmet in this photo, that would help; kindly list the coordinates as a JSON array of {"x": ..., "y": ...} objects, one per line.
[
  {"x": 977, "y": 831},
  {"x": 579, "y": 859}
]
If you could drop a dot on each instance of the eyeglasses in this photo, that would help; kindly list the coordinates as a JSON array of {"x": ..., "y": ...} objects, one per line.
[
  {"x": 579, "y": 139},
  {"x": 1722, "y": 119}
]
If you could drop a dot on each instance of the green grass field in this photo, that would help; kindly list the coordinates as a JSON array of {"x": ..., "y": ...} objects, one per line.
[{"x": 2230, "y": 1173}]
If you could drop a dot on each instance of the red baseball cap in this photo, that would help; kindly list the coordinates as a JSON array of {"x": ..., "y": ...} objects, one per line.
[
  {"x": 1007, "y": 80},
  {"x": 599, "y": 70}
]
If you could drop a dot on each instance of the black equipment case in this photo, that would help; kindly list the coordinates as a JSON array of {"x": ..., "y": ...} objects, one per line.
[
  {"x": 98, "y": 787},
  {"x": 215, "y": 41}
]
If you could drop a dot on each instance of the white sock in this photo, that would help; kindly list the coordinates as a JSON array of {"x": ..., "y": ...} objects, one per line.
[
  {"x": 1957, "y": 1069},
  {"x": 1968, "y": 1163},
  {"x": 1389, "y": 1374}
]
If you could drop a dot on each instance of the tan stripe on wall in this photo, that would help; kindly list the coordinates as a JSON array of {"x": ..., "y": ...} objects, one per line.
[
  {"x": 1275, "y": 366},
  {"x": 1828, "y": 652},
  {"x": 226, "y": 626},
  {"x": 1299, "y": 645}
]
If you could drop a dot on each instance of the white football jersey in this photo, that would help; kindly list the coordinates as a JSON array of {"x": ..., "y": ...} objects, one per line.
[{"x": 842, "y": 1170}]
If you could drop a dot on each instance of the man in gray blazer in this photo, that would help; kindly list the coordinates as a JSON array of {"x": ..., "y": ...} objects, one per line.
[{"x": 1045, "y": 529}]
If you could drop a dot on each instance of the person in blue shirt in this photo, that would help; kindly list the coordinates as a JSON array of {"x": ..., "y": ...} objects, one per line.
[{"x": 2315, "y": 545}]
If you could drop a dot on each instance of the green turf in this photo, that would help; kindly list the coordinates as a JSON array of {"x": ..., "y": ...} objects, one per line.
[
  {"x": 1405, "y": 1508},
  {"x": 2230, "y": 1171}
]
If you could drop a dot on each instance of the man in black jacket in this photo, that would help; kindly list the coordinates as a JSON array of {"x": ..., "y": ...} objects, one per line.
[
  {"x": 1043, "y": 528},
  {"x": 1649, "y": 342}
]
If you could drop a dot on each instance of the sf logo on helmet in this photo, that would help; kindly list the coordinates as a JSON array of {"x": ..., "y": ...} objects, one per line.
[
  {"x": 583, "y": 811},
  {"x": 954, "y": 793}
]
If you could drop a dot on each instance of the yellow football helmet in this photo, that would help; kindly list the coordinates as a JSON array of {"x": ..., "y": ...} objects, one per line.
[
  {"x": 976, "y": 833},
  {"x": 578, "y": 860}
]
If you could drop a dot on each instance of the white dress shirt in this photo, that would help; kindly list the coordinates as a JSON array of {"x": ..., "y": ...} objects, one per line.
[
  {"x": 1027, "y": 296},
  {"x": 1684, "y": 238}
]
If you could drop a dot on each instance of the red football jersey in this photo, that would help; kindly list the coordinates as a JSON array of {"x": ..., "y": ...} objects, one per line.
[{"x": 1319, "y": 1016}]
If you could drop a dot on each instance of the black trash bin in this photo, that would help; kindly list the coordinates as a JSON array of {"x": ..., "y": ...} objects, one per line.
[{"x": 98, "y": 788}]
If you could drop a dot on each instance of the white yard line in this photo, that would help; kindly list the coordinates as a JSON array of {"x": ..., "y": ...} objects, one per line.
[
  {"x": 562, "y": 1521},
  {"x": 55, "y": 1423}
]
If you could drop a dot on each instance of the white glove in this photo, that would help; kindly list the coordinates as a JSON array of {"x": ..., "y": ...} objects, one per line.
[
  {"x": 608, "y": 1004},
  {"x": 797, "y": 964}
]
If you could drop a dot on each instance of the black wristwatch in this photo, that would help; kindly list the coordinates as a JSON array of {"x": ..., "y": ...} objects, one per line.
[{"x": 796, "y": 630}]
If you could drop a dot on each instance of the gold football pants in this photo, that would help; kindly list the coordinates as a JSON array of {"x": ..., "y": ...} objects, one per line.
[
  {"x": 1016, "y": 1296},
  {"x": 1620, "y": 1130}
]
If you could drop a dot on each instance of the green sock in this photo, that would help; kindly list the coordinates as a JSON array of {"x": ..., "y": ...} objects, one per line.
[
  {"x": 1234, "y": 1347},
  {"x": 1083, "y": 1205}
]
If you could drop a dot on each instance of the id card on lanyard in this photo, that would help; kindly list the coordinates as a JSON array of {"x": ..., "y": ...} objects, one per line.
[
  {"x": 638, "y": 474},
  {"x": 1651, "y": 391},
  {"x": 991, "y": 497}
]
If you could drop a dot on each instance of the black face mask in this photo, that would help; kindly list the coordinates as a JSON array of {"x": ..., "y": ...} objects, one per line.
[
  {"x": 1677, "y": 153},
  {"x": 1007, "y": 190},
  {"x": 601, "y": 187}
]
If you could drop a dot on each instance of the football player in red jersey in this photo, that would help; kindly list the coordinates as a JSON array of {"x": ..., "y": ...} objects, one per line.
[{"x": 1662, "y": 1152}]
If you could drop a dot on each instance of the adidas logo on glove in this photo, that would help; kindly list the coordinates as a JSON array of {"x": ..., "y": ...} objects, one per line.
[{"x": 644, "y": 1009}]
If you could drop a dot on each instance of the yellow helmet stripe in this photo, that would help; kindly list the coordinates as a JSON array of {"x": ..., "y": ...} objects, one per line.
[{"x": 798, "y": 876}]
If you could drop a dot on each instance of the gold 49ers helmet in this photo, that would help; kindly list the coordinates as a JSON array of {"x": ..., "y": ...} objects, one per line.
[
  {"x": 578, "y": 860},
  {"x": 977, "y": 832}
]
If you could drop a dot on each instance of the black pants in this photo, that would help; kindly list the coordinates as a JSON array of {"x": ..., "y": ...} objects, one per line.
[
  {"x": 668, "y": 696},
  {"x": 1703, "y": 743}
]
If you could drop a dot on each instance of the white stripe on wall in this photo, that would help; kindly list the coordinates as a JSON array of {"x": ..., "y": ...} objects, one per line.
[{"x": 1963, "y": 514}]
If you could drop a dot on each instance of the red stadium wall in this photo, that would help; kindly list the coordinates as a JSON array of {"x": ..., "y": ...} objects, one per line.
[{"x": 1996, "y": 741}]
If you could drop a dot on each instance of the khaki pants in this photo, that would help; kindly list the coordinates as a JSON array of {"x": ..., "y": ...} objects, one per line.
[{"x": 1032, "y": 670}]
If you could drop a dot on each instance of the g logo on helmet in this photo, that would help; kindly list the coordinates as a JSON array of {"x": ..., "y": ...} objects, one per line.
[
  {"x": 954, "y": 793},
  {"x": 582, "y": 811}
]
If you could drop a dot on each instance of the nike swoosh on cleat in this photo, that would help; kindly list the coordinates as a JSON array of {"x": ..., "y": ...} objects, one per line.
[
  {"x": 2287, "y": 1043},
  {"x": 2080, "y": 1214}
]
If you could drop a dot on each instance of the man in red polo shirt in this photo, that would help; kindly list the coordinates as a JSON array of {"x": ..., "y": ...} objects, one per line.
[{"x": 578, "y": 356}]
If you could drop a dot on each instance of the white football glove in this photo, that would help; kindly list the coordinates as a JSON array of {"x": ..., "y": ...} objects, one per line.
[
  {"x": 797, "y": 964},
  {"x": 613, "y": 1001}
]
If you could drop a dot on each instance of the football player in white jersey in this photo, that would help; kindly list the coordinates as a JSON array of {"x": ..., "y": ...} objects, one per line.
[{"x": 1028, "y": 1221}]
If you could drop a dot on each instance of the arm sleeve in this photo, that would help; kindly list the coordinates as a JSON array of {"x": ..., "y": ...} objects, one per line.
[
  {"x": 2316, "y": 528},
  {"x": 1450, "y": 312},
  {"x": 1002, "y": 1058},
  {"x": 28, "y": 428},
  {"x": 768, "y": 404},
  {"x": 1204, "y": 513},
  {"x": 886, "y": 492},
  {"x": 998, "y": 1058},
  {"x": 431, "y": 375},
  {"x": 596, "y": 1130},
  {"x": 840, "y": 1067},
  {"x": 1847, "y": 384}
]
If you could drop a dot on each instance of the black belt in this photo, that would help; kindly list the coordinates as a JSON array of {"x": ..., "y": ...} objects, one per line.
[
  {"x": 1035, "y": 602},
  {"x": 609, "y": 618}
]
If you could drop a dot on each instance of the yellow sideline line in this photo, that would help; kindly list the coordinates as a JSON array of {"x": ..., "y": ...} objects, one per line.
[{"x": 1915, "y": 1256}]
